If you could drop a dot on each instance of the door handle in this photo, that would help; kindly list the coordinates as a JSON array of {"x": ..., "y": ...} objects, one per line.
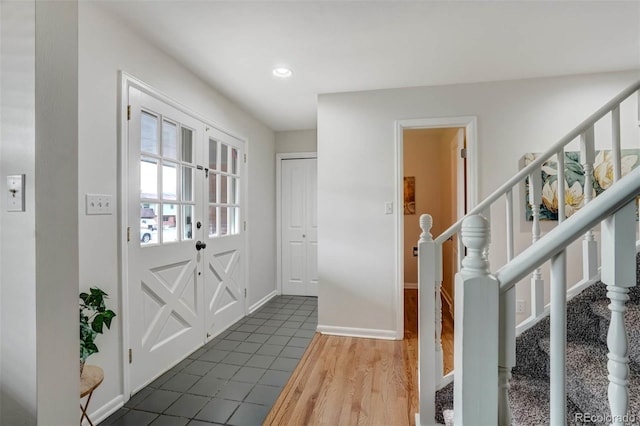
[{"x": 200, "y": 245}]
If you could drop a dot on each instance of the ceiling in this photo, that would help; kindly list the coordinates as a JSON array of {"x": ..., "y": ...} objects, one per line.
[{"x": 344, "y": 46}]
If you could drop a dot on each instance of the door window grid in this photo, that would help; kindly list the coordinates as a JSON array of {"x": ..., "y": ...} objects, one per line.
[
  {"x": 167, "y": 173},
  {"x": 224, "y": 189}
]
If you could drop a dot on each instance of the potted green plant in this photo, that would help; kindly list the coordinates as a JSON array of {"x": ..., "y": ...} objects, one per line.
[{"x": 94, "y": 316}]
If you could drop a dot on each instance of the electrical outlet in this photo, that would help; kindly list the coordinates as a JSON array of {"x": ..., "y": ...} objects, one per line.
[
  {"x": 99, "y": 204},
  {"x": 520, "y": 306}
]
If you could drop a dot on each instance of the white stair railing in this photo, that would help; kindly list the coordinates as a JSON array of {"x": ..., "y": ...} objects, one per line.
[{"x": 430, "y": 263}]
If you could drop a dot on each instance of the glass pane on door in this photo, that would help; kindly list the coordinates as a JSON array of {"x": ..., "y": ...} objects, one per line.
[
  {"x": 213, "y": 191},
  {"x": 187, "y": 222},
  {"x": 148, "y": 224},
  {"x": 169, "y": 181},
  {"x": 213, "y": 154},
  {"x": 224, "y": 149},
  {"x": 223, "y": 190},
  {"x": 187, "y": 145},
  {"x": 169, "y": 140},
  {"x": 224, "y": 225},
  {"x": 234, "y": 161},
  {"x": 148, "y": 178},
  {"x": 169, "y": 223},
  {"x": 187, "y": 183},
  {"x": 149, "y": 133},
  {"x": 213, "y": 221}
]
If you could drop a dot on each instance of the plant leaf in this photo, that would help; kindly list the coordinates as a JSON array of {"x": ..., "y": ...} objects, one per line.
[{"x": 97, "y": 323}]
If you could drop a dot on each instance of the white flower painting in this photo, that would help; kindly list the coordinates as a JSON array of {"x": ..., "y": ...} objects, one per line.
[{"x": 574, "y": 181}]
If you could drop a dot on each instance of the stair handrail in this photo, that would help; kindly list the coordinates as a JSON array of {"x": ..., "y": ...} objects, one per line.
[
  {"x": 486, "y": 332},
  {"x": 553, "y": 247},
  {"x": 539, "y": 161},
  {"x": 556, "y": 240}
]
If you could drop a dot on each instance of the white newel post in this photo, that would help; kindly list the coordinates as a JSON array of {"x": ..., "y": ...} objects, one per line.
[
  {"x": 589, "y": 244},
  {"x": 619, "y": 274},
  {"x": 476, "y": 331},
  {"x": 426, "y": 324}
]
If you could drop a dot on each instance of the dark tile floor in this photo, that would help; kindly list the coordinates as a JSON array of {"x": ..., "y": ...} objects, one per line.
[{"x": 235, "y": 378}]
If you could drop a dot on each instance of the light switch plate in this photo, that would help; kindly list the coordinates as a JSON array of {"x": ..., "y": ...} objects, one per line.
[
  {"x": 15, "y": 193},
  {"x": 388, "y": 208},
  {"x": 99, "y": 204}
]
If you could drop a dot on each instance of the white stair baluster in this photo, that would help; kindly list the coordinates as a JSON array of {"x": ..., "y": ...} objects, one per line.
[
  {"x": 558, "y": 316},
  {"x": 589, "y": 244},
  {"x": 439, "y": 357},
  {"x": 507, "y": 348},
  {"x": 615, "y": 144},
  {"x": 427, "y": 376},
  {"x": 476, "y": 331},
  {"x": 558, "y": 339},
  {"x": 537, "y": 283},
  {"x": 561, "y": 193},
  {"x": 618, "y": 273}
]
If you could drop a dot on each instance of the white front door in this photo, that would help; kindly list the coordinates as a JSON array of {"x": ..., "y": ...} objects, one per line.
[
  {"x": 178, "y": 271},
  {"x": 224, "y": 236},
  {"x": 299, "y": 227}
]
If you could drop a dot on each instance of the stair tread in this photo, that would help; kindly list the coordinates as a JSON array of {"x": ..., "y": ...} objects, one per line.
[
  {"x": 528, "y": 400},
  {"x": 632, "y": 320},
  {"x": 587, "y": 381},
  {"x": 601, "y": 309}
]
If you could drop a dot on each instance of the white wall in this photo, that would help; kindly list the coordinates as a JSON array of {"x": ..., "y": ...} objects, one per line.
[
  {"x": 107, "y": 46},
  {"x": 56, "y": 173},
  {"x": 39, "y": 249},
  {"x": 357, "y": 241},
  {"x": 17, "y": 255},
  {"x": 297, "y": 141}
]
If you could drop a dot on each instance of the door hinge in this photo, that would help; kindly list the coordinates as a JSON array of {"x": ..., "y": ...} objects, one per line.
[
  {"x": 245, "y": 158},
  {"x": 245, "y": 293},
  {"x": 130, "y": 355},
  {"x": 244, "y": 225},
  {"x": 128, "y": 233},
  {"x": 463, "y": 153},
  {"x": 128, "y": 112}
]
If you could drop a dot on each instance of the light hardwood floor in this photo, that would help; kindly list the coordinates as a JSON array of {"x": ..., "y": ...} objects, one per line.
[{"x": 354, "y": 381}]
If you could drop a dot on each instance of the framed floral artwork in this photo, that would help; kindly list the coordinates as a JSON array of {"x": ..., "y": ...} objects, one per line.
[
  {"x": 410, "y": 195},
  {"x": 574, "y": 180}
]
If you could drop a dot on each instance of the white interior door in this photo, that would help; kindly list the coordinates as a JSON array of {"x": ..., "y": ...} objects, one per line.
[
  {"x": 225, "y": 287},
  {"x": 164, "y": 272},
  {"x": 299, "y": 227}
]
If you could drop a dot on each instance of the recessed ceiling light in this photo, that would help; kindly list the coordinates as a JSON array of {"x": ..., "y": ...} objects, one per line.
[{"x": 282, "y": 72}]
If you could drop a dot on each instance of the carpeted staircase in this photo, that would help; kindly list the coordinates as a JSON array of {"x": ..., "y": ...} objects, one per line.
[{"x": 587, "y": 383}]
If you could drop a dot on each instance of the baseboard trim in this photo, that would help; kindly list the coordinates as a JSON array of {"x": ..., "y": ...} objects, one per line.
[
  {"x": 262, "y": 302},
  {"x": 411, "y": 286},
  {"x": 367, "y": 333},
  {"x": 106, "y": 410}
]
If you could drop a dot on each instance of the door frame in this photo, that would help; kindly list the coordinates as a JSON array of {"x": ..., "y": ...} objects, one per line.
[
  {"x": 470, "y": 125},
  {"x": 280, "y": 157},
  {"x": 127, "y": 81}
]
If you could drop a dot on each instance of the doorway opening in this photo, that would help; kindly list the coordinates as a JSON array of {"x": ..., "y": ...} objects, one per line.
[
  {"x": 456, "y": 180},
  {"x": 434, "y": 184}
]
